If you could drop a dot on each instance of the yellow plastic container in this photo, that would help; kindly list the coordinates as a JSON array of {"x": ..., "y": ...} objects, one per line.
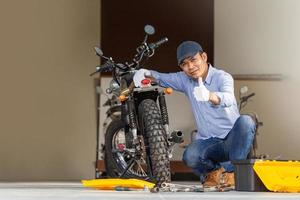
[
  {"x": 279, "y": 176},
  {"x": 112, "y": 184}
]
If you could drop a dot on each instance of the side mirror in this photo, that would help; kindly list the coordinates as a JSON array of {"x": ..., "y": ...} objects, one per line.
[
  {"x": 243, "y": 89},
  {"x": 98, "y": 51},
  {"x": 149, "y": 29}
]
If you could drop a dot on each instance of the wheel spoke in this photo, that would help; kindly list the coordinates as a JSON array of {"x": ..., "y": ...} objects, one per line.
[{"x": 141, "y": 168}]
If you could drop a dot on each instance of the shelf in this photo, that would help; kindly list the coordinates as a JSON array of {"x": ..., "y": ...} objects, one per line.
[{"x": 257, "y": 77}]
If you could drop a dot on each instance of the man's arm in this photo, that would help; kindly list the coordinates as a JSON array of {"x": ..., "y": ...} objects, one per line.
[
  {"x": 225, "y": 95},
  {"x": 173, "y": 80}
]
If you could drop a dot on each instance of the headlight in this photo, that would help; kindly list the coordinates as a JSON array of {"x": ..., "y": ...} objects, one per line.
[{"x": 114, "y": 86}]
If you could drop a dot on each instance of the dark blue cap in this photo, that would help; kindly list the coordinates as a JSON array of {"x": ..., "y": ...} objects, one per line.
[{"x": 187, "y": 49}]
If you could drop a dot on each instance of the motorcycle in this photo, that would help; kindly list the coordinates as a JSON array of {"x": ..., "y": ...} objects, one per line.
[{"x": 138, "y": 143}]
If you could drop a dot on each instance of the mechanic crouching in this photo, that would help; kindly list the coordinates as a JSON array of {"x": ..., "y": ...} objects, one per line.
[{"x": 223, "y": 134}]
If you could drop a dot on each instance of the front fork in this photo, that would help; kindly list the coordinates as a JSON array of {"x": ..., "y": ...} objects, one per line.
[
  {"x": 128, "y": 115},
  {"x": 132, "y": 139}
]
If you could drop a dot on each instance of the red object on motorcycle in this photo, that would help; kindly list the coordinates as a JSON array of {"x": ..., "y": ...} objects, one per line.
[
  {"x": 121, "y": 146},
  {"x": 146, "y": 81}
]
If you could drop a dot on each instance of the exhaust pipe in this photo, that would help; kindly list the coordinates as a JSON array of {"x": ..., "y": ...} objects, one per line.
[{"x": 176, "y": 137}]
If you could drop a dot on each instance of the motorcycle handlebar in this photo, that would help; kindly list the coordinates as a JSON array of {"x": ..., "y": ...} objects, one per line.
[
  {"x": 245, "y": 98},
  {"x": 106, "y": 67},
  {"x": 154, "y": 45}
]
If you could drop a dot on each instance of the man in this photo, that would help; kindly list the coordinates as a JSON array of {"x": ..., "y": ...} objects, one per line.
[{"x": 223, "y": 135}]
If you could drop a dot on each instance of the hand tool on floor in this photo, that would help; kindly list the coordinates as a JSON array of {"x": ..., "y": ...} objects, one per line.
[{"x": 172, "y": 187}]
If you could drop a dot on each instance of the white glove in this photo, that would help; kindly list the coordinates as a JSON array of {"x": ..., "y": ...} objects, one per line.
[
  {"x": 139, "y": 76},
  {"x": 200, "y": 92}
]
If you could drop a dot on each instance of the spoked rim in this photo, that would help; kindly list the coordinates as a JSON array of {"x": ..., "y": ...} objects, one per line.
[{"x": 124, "y": 155}]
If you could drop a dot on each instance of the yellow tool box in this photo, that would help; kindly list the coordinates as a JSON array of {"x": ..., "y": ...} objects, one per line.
[
  {"x": 255, "y": 175},
  {"x": 117, "y": 184},
  {"x": 279, "y": 176}
]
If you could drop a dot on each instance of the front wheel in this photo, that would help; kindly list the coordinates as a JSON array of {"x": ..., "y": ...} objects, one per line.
[{"x": 156, "y": 140}]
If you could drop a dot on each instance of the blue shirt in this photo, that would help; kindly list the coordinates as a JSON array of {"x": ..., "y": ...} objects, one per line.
[{"x": 212, "y": 120}]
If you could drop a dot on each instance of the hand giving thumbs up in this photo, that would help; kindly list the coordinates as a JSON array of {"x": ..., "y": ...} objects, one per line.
[{"x": 200, "y": 92}]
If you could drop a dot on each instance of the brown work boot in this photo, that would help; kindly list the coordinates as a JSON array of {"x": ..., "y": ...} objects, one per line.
[
  {"x": 213, "y": 178},
  {"x": 228, "y": 179}
]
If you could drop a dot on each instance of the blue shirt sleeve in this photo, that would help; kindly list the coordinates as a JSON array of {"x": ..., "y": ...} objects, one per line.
[
  {"x": 173, "y": 80},
  {"x": 226, "y": 90}
]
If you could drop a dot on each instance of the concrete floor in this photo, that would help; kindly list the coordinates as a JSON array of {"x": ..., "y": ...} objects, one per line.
[{"x": 74, "y": 190}]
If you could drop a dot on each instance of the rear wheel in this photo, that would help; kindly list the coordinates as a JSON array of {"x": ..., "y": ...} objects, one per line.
[
  {"x": 118, "y": 154},
  {"x": 152, "y": 161}
]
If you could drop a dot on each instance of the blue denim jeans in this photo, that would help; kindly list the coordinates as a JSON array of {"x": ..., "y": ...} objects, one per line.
[{"x": 207, "y": 155}]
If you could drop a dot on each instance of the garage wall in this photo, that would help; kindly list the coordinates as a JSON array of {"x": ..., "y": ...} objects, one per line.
[
  {"x": 47, "y": 105},
  {"x": 262, "y": 36}
]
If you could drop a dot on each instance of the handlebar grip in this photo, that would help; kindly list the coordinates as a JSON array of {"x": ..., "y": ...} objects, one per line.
[
  {"x": 245, "y": 98},
  {"x": 106, "y": 67},
  {"x": 250, "y": 95},
  {"x": 158, "y": 43}
]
